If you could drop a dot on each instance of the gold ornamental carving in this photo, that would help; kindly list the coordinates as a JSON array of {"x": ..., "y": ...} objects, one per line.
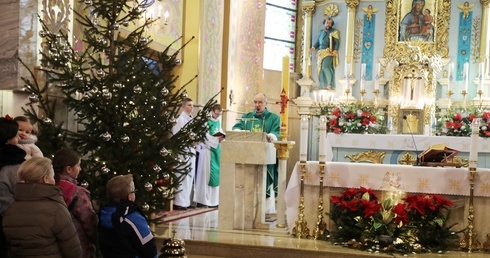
[
  {"x": 407, "y": 159},
  {"x": 308, "y": 9},
  {"x": 352, "y": 3},
  {"x": 485, "y": 3},
  {"x": 332, "y": 10},
  {"x": 368, "y": 156}
]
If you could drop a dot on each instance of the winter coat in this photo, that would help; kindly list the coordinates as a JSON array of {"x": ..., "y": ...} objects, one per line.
[
  {"x": 38, "y": 223},
  {"x": 124, "y": 232},
  {"x": 82, "y": 213},
  {"x": 11, "y": 157},
  {"x": 30, "y": 147}
]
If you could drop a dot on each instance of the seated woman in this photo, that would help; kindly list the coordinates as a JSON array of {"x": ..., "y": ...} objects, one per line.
[{"x": 38, "y": 222}]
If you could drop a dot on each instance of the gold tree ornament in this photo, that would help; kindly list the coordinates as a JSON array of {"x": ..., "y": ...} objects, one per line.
[{"x": 331, "y": 10}]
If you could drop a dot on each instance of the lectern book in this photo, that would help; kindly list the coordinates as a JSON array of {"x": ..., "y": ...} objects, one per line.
[
  {"x": 218, "y": 134},
  {"x": 438, "y": 155}
]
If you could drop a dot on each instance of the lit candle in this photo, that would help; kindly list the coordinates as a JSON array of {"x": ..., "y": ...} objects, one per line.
[
  {"x": 376, "y": 77},
  {"x": 465, "y": 76},
  {"x": 475, "y": 130},
  {"x": 285, "y": 91},
  {"x": 322, "y": 148},
  {"x": 303, "y": 150}
]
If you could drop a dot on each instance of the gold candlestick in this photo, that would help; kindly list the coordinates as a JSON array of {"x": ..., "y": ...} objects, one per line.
[
  {"x": 376, "y": 93},
  {"x": 480, "y": 96},
  {"x": 471, "y": 210},
  {"x": 301, "y": 228},
  {"x": 449, "y": 94},
  {"x": 347, "y": 91},
  {"x": 464, "y": 93},
  {"x": 320, "y": 224},
  {"x": 363, "y": 91}
]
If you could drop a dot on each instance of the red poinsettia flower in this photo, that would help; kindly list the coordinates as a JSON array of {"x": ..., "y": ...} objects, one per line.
[
  {"x": 457, "y": 125},
  {"x": 351, "y": 205},
  {"x": 336, "y": 199},
  {"x": 449, "y": 124},
  {"x": 351, "y": 192},
  {"x": 373, "y": 119},
  {"x": 487, "y": 133},
  {"x": 350, "y": 115},
  {"x": 401, "y": 214},
  {"x": 486, "y": 115},
  {"x": 337, "y": 130},
  {"x": 365, "y": 113},
  {"x": 332, "y": 122},
  {"x": 417, "y": 203},
  {"x": 336, "y": 112},
  {"x": 441, "y": 201},
  {"x": 370, "y": 208},
  {"x": 472, "y": 116},
  {"x": 457, "y": 117},
  {"x": 365, "y": 121},
  {"x": 370, "y": 191}
]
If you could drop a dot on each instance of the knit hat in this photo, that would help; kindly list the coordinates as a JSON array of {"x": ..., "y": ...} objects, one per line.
[{"x": 8, "y": 129}]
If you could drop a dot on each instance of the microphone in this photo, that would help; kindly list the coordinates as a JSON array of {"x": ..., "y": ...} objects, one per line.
[{"x": 417, "y": 161}]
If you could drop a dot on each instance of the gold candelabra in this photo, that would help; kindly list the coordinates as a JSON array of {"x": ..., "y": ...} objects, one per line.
[
  {"x": 347, "y": 91},
  {"x": 320, "y": 224},
  {"x": 363, "y": 91},
  {"x": 449, "y": 94},
  {"x": 464, "y": 93},
  {"x": 301, "y": 227},
  {"x": 376, "y": 93}
]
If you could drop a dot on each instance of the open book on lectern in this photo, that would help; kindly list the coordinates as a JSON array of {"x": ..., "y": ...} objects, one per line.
[{"x": 438, "y": 153}]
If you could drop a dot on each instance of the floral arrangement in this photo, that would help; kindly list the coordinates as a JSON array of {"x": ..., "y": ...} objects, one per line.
[
  {"x": 354, "y": 118},
  {"x": 418, "y": 224},
  {"x": 458, "y": 122}
]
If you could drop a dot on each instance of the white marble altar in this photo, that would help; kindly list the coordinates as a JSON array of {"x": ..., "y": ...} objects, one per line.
[{"x": 448, "y": 181}]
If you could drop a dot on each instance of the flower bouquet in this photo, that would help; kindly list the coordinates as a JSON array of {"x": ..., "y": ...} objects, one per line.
[
  {"x": 354, "y": 118},
  {"x": 457, "y": 123},
  {"x": 366, "y": 223}
]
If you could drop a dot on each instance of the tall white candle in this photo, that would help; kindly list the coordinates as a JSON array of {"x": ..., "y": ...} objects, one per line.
[
  {"x": 322, "y": 148},
  {"x": 475, "y": 129},
  {"x": 363, "y": 75},
  {"x": 450, "y": 76},
  {"x": 376, "y": 77},
  {"x": 466, "y": 76},
  {"x": 303, "y": 150}
]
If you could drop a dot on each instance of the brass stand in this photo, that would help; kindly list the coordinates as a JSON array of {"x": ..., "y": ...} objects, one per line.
[
  {"x": 449, "y": 94},
  {"x": 471, "y": 210},
  {"x": 283, "y": 147},
  {"x": 376, "y": 93},
  {"x": 301, "y": 228},
  {"x": 347, "y": 91},
  {"x": 480, "y": 94},
  {"x": 464, "y": 93},
  {"x": 320, "y": 224},
  {"x": 362, "y": 96}
]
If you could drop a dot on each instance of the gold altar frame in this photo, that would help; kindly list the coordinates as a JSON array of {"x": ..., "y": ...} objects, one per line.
[{"x": 400, "y": 51}]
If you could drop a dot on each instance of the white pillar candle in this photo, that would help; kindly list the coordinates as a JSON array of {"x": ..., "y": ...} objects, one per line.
[
  {"x": 475, "y": 130},
  {"x": 450, "y": 76},
  {"x": 363, "y": 75},
  {"x": 303, "y": 150},
  {"x": 466, "y": 76},
  {"x": 322, "y": 147}
]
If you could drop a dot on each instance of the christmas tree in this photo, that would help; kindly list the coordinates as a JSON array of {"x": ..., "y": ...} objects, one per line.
[{"x": 123, "y": 99}]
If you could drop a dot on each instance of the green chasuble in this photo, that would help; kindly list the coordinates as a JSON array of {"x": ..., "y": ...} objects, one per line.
[
  {"x": 214, "y": 127},
  {"x": 266, "y": 122}
]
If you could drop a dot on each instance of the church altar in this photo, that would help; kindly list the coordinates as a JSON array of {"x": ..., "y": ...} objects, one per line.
[
  {"x": 339, "y": 145},
  {"x": 395, "y": 179}
]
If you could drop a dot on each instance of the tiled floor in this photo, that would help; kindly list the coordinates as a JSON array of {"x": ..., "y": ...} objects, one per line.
[{"x": 203, "y": 229}]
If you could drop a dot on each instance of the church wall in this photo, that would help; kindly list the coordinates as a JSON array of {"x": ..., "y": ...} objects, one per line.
[{"x": 379, "y": 43}]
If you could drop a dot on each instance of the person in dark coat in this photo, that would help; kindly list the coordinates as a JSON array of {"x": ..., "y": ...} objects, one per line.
[{"x": 123, "y": 230}]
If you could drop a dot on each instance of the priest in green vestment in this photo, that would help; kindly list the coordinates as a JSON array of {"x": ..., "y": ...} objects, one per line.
[{"x": 262, "y": 120}]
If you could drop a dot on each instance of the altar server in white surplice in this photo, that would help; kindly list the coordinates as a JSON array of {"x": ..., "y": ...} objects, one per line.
[
  {"x": 183, "y": 196},
  {"x": 208, "y": 167}
]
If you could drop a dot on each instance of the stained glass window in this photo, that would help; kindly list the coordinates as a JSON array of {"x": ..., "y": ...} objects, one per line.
[{"x": 280, "y": 35}]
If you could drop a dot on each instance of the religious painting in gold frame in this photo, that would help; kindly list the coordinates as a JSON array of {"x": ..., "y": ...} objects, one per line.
[{"x": 400, "y": 50}]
